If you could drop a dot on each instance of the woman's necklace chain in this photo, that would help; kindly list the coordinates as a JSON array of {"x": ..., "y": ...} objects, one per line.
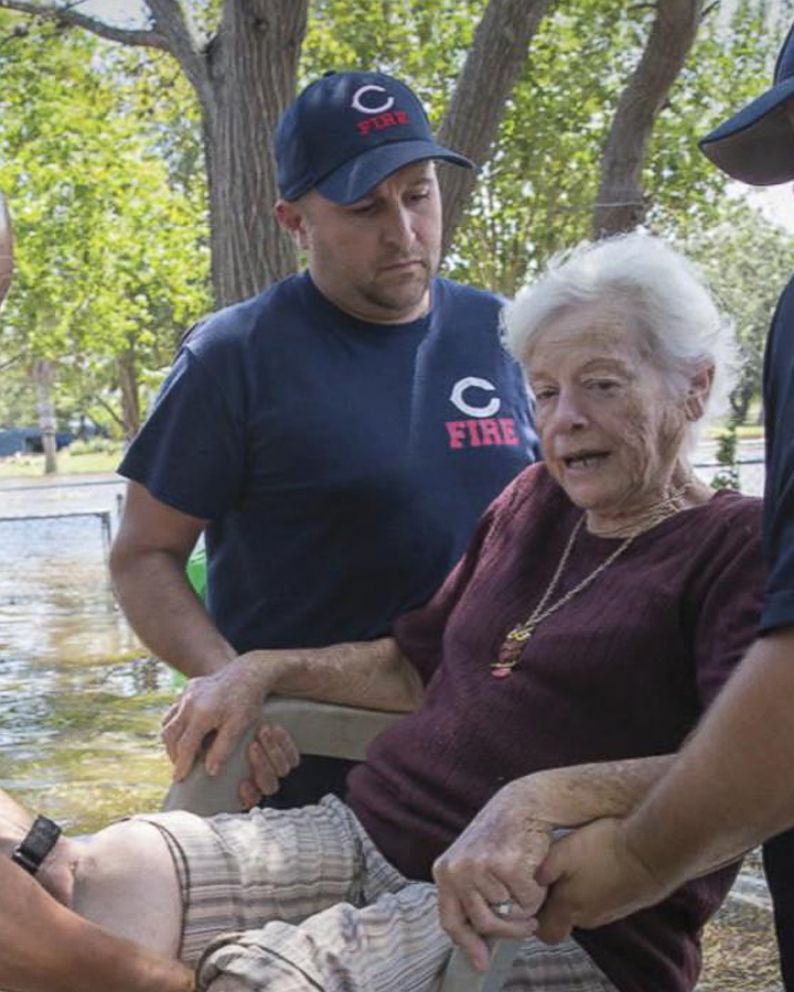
[{"x": 513, "y": 644}]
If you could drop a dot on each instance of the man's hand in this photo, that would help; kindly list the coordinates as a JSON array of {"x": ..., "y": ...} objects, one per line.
[
  {"x": 225, "y": 704},
  {"x": 492, "y": 862},
  {"x": 594, "y": 878}
]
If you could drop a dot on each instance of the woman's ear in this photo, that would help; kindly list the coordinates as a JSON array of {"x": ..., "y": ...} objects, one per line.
[{"x": 698, "y": 393}]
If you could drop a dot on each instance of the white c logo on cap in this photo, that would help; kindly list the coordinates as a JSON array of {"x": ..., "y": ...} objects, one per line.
[
  {"x": 356, "y": 103},
  {"x": 472, "y": 382}
]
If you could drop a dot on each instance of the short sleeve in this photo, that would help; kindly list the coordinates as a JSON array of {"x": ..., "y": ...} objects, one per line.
[
  {"x": 191, "y": 452},
  {"x": 779, "y": 488},
  {"x": 727, "y": 600},
  {"x": 779, "y": 514}
]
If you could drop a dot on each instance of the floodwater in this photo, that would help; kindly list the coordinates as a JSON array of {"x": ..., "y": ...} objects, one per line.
[{"x": 80, "y": 702}]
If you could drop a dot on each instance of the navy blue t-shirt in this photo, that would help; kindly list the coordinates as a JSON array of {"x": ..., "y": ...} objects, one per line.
[
  {"x": 778, "y": 608},
  {"x": 779, "y": 489},
  {"x": 342, "y": 465}
]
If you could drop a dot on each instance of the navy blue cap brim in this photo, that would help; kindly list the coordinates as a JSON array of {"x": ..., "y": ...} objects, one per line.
[
  {"x": 756, "y": 145},
  {"x": 354, "y": 179}
]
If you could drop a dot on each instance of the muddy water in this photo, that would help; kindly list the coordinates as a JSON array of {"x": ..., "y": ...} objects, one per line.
[{"x": 80, "y": 703}]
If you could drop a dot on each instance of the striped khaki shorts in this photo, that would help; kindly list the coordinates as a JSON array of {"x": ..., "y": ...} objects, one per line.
[{"x": 298, "y": 900}]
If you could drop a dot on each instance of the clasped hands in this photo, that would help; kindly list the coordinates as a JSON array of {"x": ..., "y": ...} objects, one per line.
[
  {"x": 224, "y": 705},
  {"x": 507, "y": 876}
]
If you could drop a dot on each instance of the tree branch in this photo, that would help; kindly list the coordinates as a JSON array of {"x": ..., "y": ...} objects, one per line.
[
  {"x": 11, "y": 361},
  {"x": 187, "y": 46},
  {"x": 620, "y": 203},
  {"x": 492, "y": 68},
  {"x": 93, "y": 398},
  {"x": 67, "y": 15}
]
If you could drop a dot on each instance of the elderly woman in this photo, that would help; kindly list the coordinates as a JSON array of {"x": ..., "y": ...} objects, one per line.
[{"x": 603, "y": 602}]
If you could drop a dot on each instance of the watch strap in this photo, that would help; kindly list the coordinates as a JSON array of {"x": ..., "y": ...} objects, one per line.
[{"x": 37, "y": 844}]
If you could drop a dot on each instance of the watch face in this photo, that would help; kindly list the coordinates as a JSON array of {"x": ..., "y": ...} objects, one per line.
[{"x": 40, "y": 840}]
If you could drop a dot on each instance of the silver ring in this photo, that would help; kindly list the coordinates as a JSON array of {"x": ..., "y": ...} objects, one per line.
[{"x": 502, "y": 908}]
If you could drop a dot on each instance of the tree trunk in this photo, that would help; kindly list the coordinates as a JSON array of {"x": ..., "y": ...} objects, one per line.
[
  {"x": 491, "y": 70},
  {"x": 253, "y": 64},
  {"x": 43, "y": 375},
  {"x": 6, "y": 249},
  {"x": 130, "y": 402},
  {"x": 620, "y": 205}
]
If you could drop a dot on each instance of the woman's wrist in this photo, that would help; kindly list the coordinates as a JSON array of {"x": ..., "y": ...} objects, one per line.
[
  {"x": 260, "y": 670},
  {"x": 531, "y": 797}
]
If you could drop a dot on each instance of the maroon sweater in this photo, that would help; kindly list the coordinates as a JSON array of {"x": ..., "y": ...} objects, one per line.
[{"x": 623, "y": 670}]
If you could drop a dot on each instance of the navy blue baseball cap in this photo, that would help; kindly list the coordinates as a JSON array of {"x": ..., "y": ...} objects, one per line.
[
  {"x": 348, "y": 131},
  {"x": 757, "y": 144}
]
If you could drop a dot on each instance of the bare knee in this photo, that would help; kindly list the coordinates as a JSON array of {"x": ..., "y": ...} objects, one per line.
[{"x": 124, "y": 880}]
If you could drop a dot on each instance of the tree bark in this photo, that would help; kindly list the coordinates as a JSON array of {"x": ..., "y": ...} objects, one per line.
[
  {"x": 43, "y": 375},
  {"x": 253, "y": 68},
  {"x": 128, "y": 386},
  {"x": 491, "y": 70},
  {"x": 620, "y": 205},
  {"x": 6, "y": 249}
]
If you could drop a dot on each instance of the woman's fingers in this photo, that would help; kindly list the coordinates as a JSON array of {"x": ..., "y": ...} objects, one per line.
[
  {"x": 461, "y": 932},
  {"x": 272, "y": 756}
]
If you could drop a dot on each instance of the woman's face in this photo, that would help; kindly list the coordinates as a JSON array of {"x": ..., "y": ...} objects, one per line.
[{"x": 609, "y": 426}]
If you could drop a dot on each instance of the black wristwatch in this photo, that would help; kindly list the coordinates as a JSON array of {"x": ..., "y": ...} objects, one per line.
[{"x": 39, "y": 841}]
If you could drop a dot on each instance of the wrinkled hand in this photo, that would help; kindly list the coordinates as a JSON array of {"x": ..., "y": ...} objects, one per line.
[
  {"x": 225, "y": 703},
  {"x": 272, "y": 755},
  {"x": 594, "y": 879},
  {"x": 492, "y": 861}
]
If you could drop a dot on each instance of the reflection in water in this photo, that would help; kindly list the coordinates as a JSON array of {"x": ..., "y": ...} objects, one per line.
[{"x": 79, "y": 705}]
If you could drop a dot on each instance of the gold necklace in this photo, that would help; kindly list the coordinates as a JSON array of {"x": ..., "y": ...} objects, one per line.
[{"x": 513, "y": 644}]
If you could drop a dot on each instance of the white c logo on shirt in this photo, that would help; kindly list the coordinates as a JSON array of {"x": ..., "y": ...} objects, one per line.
[
  {"x": 472, "y": 382},
  {"x": 356, "y": 103}
]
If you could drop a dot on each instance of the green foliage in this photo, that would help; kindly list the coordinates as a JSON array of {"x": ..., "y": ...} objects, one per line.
[
  {"x": 102, "y": 162},
  {"x": 536, "y": 194},
  {"x": 111, "y": 260},
  {"x": 727, "y": 476},
  {"x": 746, "y": 261}
]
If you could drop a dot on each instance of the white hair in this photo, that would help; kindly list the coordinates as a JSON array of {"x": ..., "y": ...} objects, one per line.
[{"x": 652, "y": 284}]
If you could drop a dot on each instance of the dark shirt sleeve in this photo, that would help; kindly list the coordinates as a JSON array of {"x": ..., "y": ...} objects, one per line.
[
  {"x": 190, "y": 453},
  {"x": 726, "y": 601},
  {"x": 420, "y": 633},
  {"x": 779, "y": 598},
  {"x": 779, "y": 489}
]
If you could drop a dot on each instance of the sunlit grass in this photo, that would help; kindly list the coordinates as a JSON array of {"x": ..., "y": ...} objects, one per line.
[{"x": 32, "y": 466}]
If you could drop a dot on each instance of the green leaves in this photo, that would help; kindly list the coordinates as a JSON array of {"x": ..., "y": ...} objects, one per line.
[
  {"x": 110, "y": 251},
  {"x": 103, "y": 166}
]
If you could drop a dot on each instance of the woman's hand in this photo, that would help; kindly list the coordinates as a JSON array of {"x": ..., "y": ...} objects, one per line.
[
  {"x": 225, "y": 703},
  {"x": 272, "y": 755},
  {"x": 493, "y": 862}
]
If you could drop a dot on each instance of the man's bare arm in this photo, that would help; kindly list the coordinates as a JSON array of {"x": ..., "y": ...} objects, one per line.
[
  {"x": 496, "y": 857},
  {"x": 729, "y": 789},
  {"x": 44, "y": 945},
  {"x": 147, "y": 564}
]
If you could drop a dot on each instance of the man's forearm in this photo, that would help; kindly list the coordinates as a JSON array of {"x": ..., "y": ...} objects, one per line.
[
  {"x": 166, "y": 614},
  {"x": 731, "y": 787},
  {"x": 371, "y": 674},
  {"x": 45, "y": 946}
]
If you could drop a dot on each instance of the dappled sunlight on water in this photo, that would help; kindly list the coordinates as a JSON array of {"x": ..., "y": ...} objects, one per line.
[{"x": 80, "y": 704}]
